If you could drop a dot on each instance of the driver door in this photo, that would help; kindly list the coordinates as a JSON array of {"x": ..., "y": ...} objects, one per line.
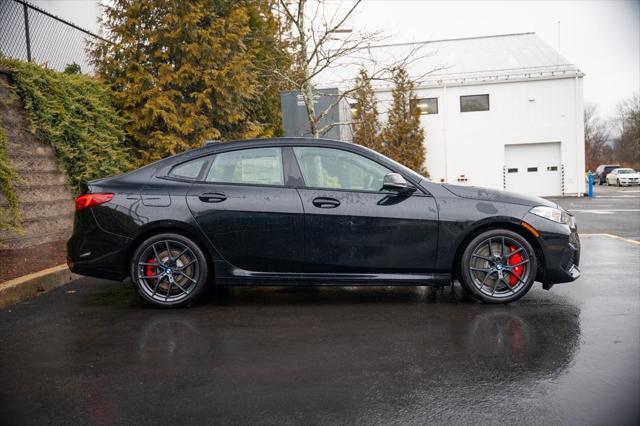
[{"x": 352, "y": 225}]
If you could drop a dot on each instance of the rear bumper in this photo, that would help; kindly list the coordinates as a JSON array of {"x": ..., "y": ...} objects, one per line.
[{"x": 94, "y": 252}]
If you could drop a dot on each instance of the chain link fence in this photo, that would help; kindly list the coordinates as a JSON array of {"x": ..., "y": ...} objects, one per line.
[{"x": 31, "y": 34}]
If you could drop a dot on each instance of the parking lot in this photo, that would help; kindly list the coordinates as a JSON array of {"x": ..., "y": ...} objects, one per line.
[
  {"x": 612, "y": 210},
  {"x": 91, "y": 352}
]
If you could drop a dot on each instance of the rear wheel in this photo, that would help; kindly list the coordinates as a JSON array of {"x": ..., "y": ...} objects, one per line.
[
  {"x": 498, "y": 266},
  {"x": 169, "y": 270}
]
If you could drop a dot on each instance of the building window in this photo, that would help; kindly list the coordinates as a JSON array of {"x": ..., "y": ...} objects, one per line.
[
  {"x": 353, "y": 106},
  {"x": 474, "y": 103},
  {"x": 532, "y": 169},
  {"x": 427, "y": 105},
  {"x": 552, "y": 168},
  {"x": 512, "y": 170}
]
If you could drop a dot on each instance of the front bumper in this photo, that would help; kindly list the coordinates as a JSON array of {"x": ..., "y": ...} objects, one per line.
[{"x": 561, "y": 248}]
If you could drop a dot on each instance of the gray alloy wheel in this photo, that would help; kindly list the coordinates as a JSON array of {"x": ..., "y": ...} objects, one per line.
[
  {"x": 498, "y": 266},
  {"x": 169, "y": 270}
]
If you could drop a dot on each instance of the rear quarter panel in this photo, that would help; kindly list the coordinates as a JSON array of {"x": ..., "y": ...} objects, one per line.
[{"x": 141, "y": 206}]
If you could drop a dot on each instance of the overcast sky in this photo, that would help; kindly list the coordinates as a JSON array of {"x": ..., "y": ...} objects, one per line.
[{"x": 601, "y": 37}]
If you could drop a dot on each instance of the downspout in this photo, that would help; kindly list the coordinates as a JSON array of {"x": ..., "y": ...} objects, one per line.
[
  {"x": 444, "y": 133},
  {"x": 577, "y": 139}
]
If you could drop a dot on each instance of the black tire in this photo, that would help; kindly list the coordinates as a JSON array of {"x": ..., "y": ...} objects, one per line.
[
  {"x": 169, "y": 270},
  {"x": 618, "y": 181},
  {"x": 498, "y": 280}
]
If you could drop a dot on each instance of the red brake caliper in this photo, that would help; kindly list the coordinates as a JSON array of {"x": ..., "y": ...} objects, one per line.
[
  {"x": 150, "y": 270},
  {"x": 514, "y": 260}
]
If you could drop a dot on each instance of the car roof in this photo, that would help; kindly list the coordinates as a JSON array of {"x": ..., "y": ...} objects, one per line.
[
  {"x": 211, "y": 148},
  {"x": 278, "y": 141}
]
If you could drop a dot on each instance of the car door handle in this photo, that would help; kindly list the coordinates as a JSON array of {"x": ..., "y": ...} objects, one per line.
[
  {"x": 325, "y": 202},
  {"x": 212, "y": 197}
]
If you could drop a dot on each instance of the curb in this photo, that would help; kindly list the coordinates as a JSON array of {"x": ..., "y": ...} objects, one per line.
[{"x": 27, "y": 286}]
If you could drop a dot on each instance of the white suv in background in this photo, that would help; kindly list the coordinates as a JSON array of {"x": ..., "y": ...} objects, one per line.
[{"x": 623, "y": 176}]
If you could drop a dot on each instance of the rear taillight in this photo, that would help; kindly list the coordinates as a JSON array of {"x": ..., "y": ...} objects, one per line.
[{"x": 90, "y": 200}]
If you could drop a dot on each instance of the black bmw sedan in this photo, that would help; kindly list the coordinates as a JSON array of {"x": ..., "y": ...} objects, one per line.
[{"x": 295, "y": 211}]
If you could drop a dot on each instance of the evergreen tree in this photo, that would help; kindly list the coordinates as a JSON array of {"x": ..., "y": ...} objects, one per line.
[
  {"x": 403, "y": 135},
  {"x": 366, "y": 124},
  {"x": 187, "y": 71}
]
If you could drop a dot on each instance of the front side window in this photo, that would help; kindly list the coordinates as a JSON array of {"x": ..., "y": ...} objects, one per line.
[
  {"x": 474, "y": 103},
  {"x": 189, "y": 170},
  {"x": 261, "y": 166},
  {"x": 336, "y": 169}
]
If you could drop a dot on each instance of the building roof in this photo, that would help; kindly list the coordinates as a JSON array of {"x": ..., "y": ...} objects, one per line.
[{"x": 470, "y": 60}]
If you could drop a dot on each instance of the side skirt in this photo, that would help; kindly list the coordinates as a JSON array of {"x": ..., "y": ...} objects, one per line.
[{"x": 242, "y": 277}]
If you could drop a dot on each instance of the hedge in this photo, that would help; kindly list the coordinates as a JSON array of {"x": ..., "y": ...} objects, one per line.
[
  {"x": 75, "y": 115},
  {"x": 9, "y": 214}
]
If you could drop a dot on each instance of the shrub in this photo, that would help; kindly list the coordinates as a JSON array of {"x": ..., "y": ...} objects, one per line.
[
  {"x": 75, "y": 115},
  {"x": 9, "y": 215}
]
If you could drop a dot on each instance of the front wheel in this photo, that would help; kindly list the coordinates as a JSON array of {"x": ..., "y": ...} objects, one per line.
[
  {"x": 498, "y": 266},
  {"x": 169, "y": 270}
]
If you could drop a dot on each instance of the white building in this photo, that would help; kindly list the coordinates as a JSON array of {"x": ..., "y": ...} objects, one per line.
[{"x": 501, "y": 111}]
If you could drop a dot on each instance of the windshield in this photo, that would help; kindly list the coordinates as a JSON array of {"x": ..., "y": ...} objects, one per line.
[{"x": 625, "y": 171}]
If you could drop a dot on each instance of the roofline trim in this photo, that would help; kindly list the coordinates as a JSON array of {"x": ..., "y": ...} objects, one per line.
[
  {"x": 447, "y": 39},
  {"x": 457, "y": 83}
]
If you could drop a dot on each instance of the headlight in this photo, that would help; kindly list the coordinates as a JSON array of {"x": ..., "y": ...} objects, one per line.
[{"x": 550, "y": 213}]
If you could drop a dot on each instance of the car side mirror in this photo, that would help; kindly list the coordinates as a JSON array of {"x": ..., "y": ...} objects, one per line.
[{"x": 395, "y": 182}]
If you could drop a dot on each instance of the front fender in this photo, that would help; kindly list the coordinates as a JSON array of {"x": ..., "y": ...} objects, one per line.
[{"x": 460, "y": 217}]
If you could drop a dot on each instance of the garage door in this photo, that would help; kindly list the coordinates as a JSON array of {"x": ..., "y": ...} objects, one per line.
[{"x": 533, "y": 168}]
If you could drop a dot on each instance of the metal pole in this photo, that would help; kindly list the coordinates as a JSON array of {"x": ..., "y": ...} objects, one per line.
[{"x": 26, "y": 30}]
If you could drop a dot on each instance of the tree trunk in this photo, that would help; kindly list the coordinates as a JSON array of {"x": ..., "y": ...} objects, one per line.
[{"x": 307, "y": 88}]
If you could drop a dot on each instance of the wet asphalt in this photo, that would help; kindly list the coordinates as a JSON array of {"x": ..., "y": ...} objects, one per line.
[
  {"x": 612, "y": 210},
  {"x": 92, "y": 353}
]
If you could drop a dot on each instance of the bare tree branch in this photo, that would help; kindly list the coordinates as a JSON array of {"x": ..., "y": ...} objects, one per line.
[{"x": 318, "y": 48}]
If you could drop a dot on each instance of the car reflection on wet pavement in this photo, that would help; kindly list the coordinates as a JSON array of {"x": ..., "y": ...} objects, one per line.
[{"x": 91, "y": 352}]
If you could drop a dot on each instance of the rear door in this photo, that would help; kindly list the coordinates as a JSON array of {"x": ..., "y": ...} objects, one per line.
[
  {"x": 353, "y": 226},
  {"x": 252, "y": 218}
]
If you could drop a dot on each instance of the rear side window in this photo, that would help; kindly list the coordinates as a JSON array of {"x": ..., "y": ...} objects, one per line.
[
  {"x": 189, "y": 170},
  {"x": 262, "y": 166}
]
